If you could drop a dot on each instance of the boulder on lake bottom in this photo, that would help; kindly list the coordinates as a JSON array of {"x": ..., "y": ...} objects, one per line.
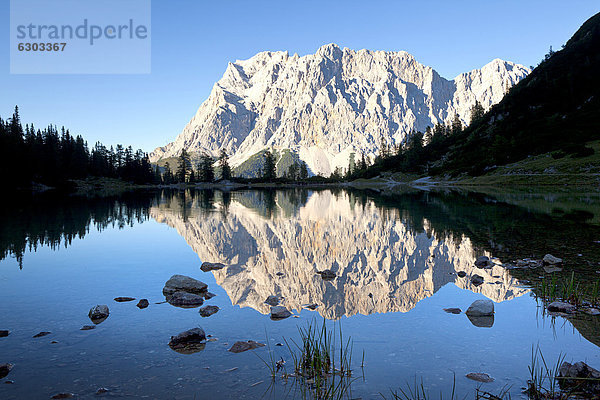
[
  {"x": 239, "y": 347},
  {"x": 207, "y": 311}
]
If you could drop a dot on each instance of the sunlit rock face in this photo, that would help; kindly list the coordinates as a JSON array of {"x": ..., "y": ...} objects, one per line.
[
  {"x": 382, "y": 263},
  {"x": 327, "y": 105}
]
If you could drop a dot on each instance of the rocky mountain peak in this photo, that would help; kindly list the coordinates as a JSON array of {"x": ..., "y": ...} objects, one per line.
[{"x": 327, "y": 105}]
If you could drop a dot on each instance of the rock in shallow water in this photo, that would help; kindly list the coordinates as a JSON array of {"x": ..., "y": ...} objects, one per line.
[
  {"x": 461, "y": 274},
  {"x": 549, "y": 259},
  {"x": 188, "y": 342},
  {"x": 182, "y": 283},
  {"x": 453, "y": 310},
  {"x": 4, "y": 333},
  {"x": 560, "y": 306},
  {"x": 207, "y": 311},
  {"x": 185, "y": 300},
  {"x": 280, "y": 312},
  {"x": 239, "y": 347},
  {"x": 41, "y": 334},
  {"x": 124, "y": 299},
  {"x": 272, "y": 300},
  {"x": 481, "y": 308},
  {"x": 87, "y": 327},
  {"x": 143, "y": 303},
  {"x": 476, "y": 280},
  {"x": 483, "y": 262},
  {"x": 208, "y": 266},
  {"x": 327, "y": 275},
  {"x": 480, "y": 377},
  {"x": 63, "y": 396},
  {"x": 5, "y": 369},
  {"x": 98, "y": 313},
  {"x": 587, "y": 379}
]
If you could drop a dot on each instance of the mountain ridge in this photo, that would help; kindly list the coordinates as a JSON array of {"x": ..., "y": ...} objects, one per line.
[{"x": 326, "y": 105}]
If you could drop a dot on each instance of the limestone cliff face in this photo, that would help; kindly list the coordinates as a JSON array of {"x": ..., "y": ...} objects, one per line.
[
  {"x": 372, "y": 251},
  {"x": 326, "y": 105}
]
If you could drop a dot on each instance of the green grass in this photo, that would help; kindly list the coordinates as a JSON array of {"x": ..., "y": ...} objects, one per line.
[
  {"x": 543, "y": 383},
  {"x": 321, "y": 360},
  {"x": 568, "y": 289}
]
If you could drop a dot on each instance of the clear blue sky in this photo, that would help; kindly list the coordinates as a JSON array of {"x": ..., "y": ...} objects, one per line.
[{"x": 192, "y": 41}]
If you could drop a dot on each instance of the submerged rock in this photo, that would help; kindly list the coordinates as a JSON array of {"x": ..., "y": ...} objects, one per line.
[
  {"x": 561, "y": 306},
  {"x": 480, "y": 377},
  {"x": 239, "y": 347},
  {"x": 207, "y": 311},
  {"x": 188, "y": 342},
  {"x": 87, "y": 327},
  {"x": 312, "y": 306},
  {"x": 123, "y": 299},
  {"x": 182, "y": 283},
  {"x": 453, "y": 310},
  {"x": 4, "y": 333},
  {"x": 98, "y": 313},
  {"x": 476, "y": 280},
  {"x": 549, "y": 259},
  {"x": 185, "y": 300},
  {"x": 280, "y": 312},
  {"x": 481, "y": 308},
  {"x": 63, "y": 396},
  {"x": 41, "y": 334},
  {"x": 327, "y": 275},
  {"x": 208, "y": 266},
  {"x": 5, "y": 369},
  {"x": 587, "y": 379},
  {"x": 551, "y": 268},
  {"x": 272, "y": 300},
  {"x": 143, "y": 303}
]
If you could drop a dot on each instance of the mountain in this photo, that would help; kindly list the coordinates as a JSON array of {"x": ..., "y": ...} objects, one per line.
[
  {"x": 324, "y": 106},
  {"x": 383, "y": 263},
  {"x": 554, "y": 109}
]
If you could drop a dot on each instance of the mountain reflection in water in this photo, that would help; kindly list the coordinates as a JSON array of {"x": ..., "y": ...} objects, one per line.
[{"x": 275, "y": 242}]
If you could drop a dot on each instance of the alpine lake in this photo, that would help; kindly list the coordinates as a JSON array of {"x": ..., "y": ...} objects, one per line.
[{"x": 397, "y": 261}]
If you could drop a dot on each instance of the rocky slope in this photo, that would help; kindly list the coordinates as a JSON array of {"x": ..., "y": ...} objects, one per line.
[
  {"x": 326, "y": 105},
  {"x": 382, "y": 265}
]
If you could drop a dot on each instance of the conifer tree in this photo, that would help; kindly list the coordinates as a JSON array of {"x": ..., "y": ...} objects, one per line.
[
  {"x": 207, "y": 173},
  {"x": 303, "y": 170},
  {"x": 225, "y": 168},
  {"x": 183, "y": 166},
  {"x": 456, "y": 126},
  {"x": 477, "y": 112},
  {"x": 269, "y": 171}
]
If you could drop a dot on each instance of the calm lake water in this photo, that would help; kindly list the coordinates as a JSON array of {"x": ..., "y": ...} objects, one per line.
[{"x": 395, "y": 257}]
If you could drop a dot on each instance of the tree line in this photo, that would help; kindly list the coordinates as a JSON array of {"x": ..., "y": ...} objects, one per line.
[
  {"x": 53, "y": 156},
  {"x": 414, "y": 155}
]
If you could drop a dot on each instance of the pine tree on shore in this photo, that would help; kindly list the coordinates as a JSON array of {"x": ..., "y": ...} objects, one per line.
[{"x": 225, "y": 168}]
